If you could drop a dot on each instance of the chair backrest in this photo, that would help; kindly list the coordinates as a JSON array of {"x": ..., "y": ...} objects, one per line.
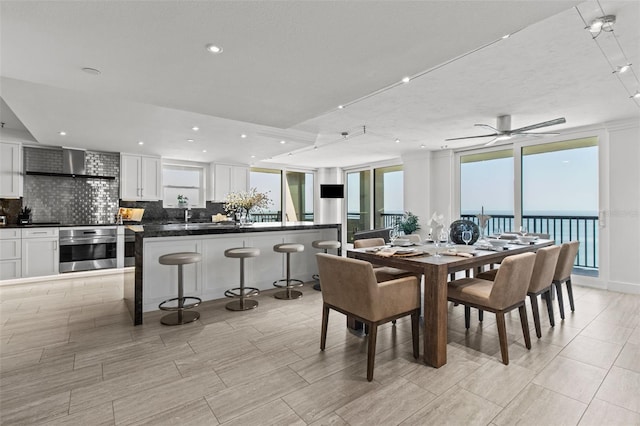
[
  {"x": 368, "y": 242},
  {"x": 568, "y": 254},
  {"x": 348, "y": 284},
  {"x": 414, "y": 238},
  {"x": 373, "y": 233},
  {"x": 544, "y": 268},
  {"x": 512, "y": 280}
]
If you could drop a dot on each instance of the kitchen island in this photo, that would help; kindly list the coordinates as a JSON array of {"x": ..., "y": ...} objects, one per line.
[{"x": 152, "y": 283}]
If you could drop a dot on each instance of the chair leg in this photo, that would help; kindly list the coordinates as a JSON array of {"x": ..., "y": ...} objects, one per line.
[
  {"x": 467, "y": 316},
  {"x": 560, "y": 301},
  {"x": 525, "y": 325},
  {"x": 371, "y": 355},
  {"x": 570, "y": 293},
  {"x": 415, "y": 333},
  {"x": 536, "y": 314},
  {"x": 502, "y": 336},
  {"x": 547, "y": 296},
  {"x": 480, "y": 315},
  {"x": 325, "y": 322}
]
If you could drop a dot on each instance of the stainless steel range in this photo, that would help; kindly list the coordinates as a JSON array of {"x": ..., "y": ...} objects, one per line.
[{"x": 84, "y": 249}]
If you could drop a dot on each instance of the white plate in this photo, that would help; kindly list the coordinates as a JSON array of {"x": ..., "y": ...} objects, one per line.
[{"x": 405, "y": 251}]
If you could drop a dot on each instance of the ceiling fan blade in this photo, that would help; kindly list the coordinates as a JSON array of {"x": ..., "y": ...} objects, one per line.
[
  {"x": 473, "y": 137},
  {"x": 538, "y": 134},
  {"x": 491, "y": 142},
  {"x": 487, "y": 126},
  {"x": 538, "y": 125}
]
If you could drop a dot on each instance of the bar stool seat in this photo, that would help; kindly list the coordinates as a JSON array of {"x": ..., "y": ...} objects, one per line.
[
  {"x": 288, "y": 283},
  {"x": 325, "y": 245},
  {"x": 180, "y": 316},
  {"x": 242, "y": 292}
]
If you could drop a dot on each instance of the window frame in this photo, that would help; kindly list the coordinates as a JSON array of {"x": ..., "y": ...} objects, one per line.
[{"x": 202, "y": 188}]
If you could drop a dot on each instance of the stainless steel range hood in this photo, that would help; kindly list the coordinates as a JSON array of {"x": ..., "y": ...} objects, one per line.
[
  {"x": 73, "y": 165},
  {"x": 73, "y": 161}
]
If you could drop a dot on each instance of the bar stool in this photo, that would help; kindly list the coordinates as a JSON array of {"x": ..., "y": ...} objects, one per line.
[
  {"x": 324, "y": 245},
  {"x": 242, "y": 292},
  {"x": 289, "y": 283},
  {"x": 180, "y": 316}
]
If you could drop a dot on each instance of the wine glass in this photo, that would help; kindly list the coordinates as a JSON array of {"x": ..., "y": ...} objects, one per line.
[
  {"x": 393, "y": 235},
  {"x": 466, "y": 236},
  {"x": 523, "y": 230},
  {"x": 444, "y": 237},
  {"x": 498, "y": 232}
]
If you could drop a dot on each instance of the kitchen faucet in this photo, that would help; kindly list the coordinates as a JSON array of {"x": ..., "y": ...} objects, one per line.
[{"x": 187, "y": 214}]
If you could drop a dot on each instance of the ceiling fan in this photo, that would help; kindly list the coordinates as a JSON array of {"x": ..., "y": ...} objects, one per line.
[{"x": 502, "y": 130}]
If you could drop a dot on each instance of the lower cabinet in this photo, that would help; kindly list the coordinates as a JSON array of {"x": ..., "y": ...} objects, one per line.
[
  {"x": 10, "y": 254},
  {"x": 216, "y": 273},
  {"x": 40, "y": 257}
]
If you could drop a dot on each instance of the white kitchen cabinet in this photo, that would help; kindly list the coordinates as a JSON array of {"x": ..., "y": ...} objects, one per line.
[
  {"x": 228, "y": 178},
  {"x": 161, "y": 281},
  {"x": 10, "y": 254},
  {"x": 40, "y": 252},
  {"x": 140, "y": 178},
  {"x": 10, "y": 170}
]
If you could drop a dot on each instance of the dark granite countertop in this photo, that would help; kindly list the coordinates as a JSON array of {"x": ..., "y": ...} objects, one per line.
[{"x": 183, "y": 229}]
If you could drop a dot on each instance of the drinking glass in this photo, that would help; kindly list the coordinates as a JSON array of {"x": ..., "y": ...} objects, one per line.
[
  {"x": 498, "y": 232},
  {"x": 523, "y": 230},
  {"x": 466, "y": 236},
  {"x": 393, "y": 235}
]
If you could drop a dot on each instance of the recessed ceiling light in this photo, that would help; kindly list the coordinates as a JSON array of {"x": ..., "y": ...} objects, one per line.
[
  {"x": 62, "y": 133},
  {"x": 212, "y": 48},
  {"x": 243, "y": 136},
  {"x": 406, "y": 79},
  {"x": 315, "y": 147},
  {"x": 636, "y": 95},
  {"x": 253, "y": 156},
  {"x": 195, "y": 128},
  {"x": 506, "y": 36},
  {"x": 91, "y": 71},
  {"x": 340, "y": 106},
  {"x": 283, "y": 142},
  {"x": 204, "y": 150},
  {"x": 190, "y": 140},
  {"x": 422, "y": 146},
  {"x": 140, "y": 143},
  {"x": 397, "y": 140}
]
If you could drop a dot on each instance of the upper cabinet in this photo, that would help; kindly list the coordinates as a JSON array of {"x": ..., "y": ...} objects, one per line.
[
  {"x": 10, "y": 170},
  {"x": 228, "y": 178},
  {"x": 140, "y": 178}
]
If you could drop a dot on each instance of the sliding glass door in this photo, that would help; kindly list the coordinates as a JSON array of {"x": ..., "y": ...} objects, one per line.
[{"x": 358, "y": 202}]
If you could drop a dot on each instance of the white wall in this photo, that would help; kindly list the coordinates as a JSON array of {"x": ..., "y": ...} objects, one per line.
[
  {"x": 623, "y": 217},
  {"x": 417, "y": 184},
  {"x": 328, "y": 210}
]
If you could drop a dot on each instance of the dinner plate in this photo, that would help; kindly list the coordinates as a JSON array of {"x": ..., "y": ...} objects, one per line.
[{"x": 405, "y": 251}]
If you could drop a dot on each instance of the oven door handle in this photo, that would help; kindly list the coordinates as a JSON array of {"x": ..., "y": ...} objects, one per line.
[{"x": 87, "y": 240}]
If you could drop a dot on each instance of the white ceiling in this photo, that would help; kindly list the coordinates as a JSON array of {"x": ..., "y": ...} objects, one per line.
[{"x": 287, "y": 65}]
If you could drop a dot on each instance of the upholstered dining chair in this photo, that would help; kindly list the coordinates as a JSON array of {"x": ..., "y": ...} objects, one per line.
[
  {"x": 349, "y": 286},
  {"x": 568, "y": 254},
  {"x": 540, "y": 284},
  {"x": 383, "y": 273},
  {"x": 507, "y": 292}
]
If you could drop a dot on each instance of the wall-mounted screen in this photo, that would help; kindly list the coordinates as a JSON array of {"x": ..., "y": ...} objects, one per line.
[{"x": 332, "y": 191}]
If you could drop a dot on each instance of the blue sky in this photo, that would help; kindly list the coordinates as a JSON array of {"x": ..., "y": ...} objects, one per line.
[{"x": 560, "y": 182}]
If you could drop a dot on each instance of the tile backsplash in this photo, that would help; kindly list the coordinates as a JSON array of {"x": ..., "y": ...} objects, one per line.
[{"x": 71, "y": 200}]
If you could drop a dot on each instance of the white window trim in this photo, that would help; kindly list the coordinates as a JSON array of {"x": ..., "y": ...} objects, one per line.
[{"x": 204, "y": 172}]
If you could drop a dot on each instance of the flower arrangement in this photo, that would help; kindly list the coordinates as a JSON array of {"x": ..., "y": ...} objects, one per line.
[
  {"x": 246, "y": 200},
  {"x": 183, "y": 200}
]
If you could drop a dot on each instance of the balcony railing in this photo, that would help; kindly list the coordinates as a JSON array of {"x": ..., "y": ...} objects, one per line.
[{"x": 560, "y": 228}]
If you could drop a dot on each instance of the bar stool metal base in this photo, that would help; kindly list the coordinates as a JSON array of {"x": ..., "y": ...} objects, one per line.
[
  {"x": 180, "y": 317},
  {"x": 288, "y": 293},
  {"x": 242, "y": 305}
]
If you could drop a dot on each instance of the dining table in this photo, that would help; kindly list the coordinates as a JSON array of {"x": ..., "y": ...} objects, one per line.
[{"x": 435, "y": 271}]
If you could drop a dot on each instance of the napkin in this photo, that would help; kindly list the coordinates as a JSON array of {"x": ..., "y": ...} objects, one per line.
[
  {"x": 436, "y": 225},
  {"x": 387, "y": 252},
  {"x": 454, "y": 252}
]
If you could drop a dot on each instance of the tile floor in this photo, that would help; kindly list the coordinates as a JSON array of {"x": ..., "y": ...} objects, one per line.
[{"x": 69, "y": 355}]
